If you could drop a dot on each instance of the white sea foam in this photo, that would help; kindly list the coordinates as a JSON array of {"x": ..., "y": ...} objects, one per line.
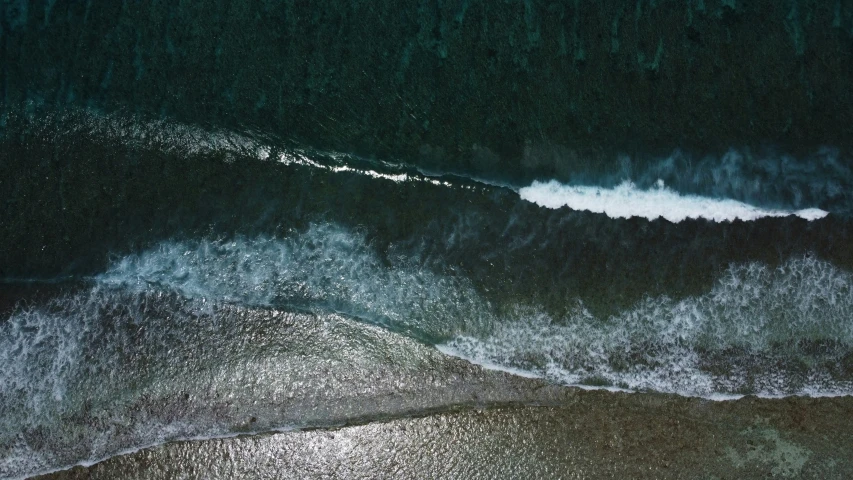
[
  {"x": 738, "y": 337},
  {"x": 626, "y": 201},
  {"x": 160, "y": 323},
  {"x": 821, "y": 177},
  {"x": 91, "y": 373},
  {"x": 707, "y": 345},
  {"x": 325, "y": 267}
]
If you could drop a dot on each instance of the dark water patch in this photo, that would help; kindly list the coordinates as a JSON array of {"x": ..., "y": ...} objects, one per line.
[
  {"x": 12, "y": 295},
  {"x": 464, "y": 86}
]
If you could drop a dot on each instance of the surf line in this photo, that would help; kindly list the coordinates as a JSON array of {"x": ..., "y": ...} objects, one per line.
[{"x": 626, "y": 201}]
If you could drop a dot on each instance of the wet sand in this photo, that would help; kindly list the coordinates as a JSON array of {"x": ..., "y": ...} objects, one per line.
[
  {"x": 423, "y": 414},
  {"x": 590, "y": 434}
]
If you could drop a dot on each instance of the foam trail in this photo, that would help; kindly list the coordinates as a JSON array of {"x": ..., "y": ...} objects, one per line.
[
  {"x": 626, "y": 201},
  {"x": 752, "y": 333},
  {"x": 760, "y": 330},
  {"x": 325, "y": 268}
]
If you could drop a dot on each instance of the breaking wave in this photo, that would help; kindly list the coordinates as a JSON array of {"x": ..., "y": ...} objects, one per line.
[
  {"x": 626, "y": 201},
  {"x": 760, "y": 330}
]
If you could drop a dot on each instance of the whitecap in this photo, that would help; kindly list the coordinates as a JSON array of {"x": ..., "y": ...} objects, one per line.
[{"x": 626, "y": 201}]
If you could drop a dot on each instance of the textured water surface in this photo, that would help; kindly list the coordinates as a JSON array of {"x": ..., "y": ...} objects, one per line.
[{"x": 222, "y": 219}]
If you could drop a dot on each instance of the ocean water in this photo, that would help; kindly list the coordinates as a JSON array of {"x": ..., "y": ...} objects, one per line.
[
  {"x": 316, "y": 260},
  {"x": 257, "y": 230}
]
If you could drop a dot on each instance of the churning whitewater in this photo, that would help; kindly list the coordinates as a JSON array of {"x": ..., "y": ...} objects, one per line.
[
  {"x": 759, "y": 330},
  {"x": 626, "y": 201}
]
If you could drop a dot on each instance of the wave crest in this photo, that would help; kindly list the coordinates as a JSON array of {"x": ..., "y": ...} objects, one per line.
[
  {"x": 626, "y": 201},
  {"x": 760, "y": 330}
]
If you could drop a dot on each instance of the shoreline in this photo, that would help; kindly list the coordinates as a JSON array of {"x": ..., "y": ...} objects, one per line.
[
  {"x": 589, "y": 434},
  {"x": 452, "y": 394}
]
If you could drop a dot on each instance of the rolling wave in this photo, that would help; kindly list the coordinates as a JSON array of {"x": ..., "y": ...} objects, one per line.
[
  {"x": 759, "y": 330},
  {"x": 737, "y": 184},
  {"x": 259, "y": 283},
  {"x": 626, "y": 201},
  {"x": 766, "y": 331}
]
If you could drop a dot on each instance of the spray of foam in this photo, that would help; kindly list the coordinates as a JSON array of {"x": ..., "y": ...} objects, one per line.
[
  {"x": 823, "y": 177},
  {"x": 189, "y": 139},
  {"x": 326, "y": 267},
  {"x": 66, "y": 361},
  {"x": 91, "y": 373},
  {"x": 626, "y": 201},
  {"x": 760, "y": 330}
]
